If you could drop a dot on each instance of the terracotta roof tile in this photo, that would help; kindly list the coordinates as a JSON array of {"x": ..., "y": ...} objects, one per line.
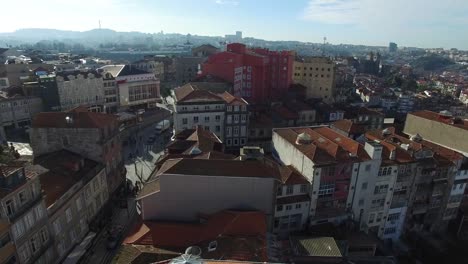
[
  {"x": 232, "y": 100},
  {"x": 290, "y": 176},
  {"x": 190, "y": 93},
  {"x": 79, "y": 119}
]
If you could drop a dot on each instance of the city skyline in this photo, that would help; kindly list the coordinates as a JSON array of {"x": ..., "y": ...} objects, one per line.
[{"x": 341, "y": 21}]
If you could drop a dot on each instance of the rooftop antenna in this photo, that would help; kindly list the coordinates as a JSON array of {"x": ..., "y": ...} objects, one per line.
[
  {"x": 324, "y": 40},
  {"x": 99, "y": 24}
]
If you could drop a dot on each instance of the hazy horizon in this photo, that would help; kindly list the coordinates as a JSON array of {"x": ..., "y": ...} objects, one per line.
[{"x": 418, "y": 23}]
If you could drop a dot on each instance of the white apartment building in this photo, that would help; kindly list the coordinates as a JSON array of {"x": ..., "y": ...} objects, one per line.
[
  {"x": 195, "y": 107},
  {"x": 23, "y": 207},
  {"x": 292, "y": 202},
  {"x": 80, "y": 88},
  {"x": 136, "y": 88}
]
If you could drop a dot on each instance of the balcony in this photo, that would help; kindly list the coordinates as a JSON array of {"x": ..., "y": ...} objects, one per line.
[{"x": 25, "y": 207}]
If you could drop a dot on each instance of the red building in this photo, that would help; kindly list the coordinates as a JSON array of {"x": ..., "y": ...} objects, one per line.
[{"x": 258, "y": 75}]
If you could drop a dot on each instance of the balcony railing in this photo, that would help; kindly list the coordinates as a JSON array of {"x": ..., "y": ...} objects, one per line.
[{"x": 38, "y": 254}]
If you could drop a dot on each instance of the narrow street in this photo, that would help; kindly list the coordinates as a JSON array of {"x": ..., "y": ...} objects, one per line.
[{"x": 140, "y": 157}]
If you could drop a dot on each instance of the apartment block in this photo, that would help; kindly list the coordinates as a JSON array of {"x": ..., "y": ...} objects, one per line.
[
  {"x": 236, "y": 121},
  {"x": 80, "y": 88},
  {"x": 258, "y": 75},
  {"x": 89, "y": 134},
  {"x": 317, "y": 74},
  {"x": 24, "y": 211},
  {"x": 137, "y": 89},
  {"x": 111, "y": 93},
  {"x": 75, "y": 190},
  {"x": 183, "y": 189}
]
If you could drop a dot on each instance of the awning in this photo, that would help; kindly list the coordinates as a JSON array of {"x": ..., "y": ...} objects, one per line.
[{"x": 79, "y": 250}]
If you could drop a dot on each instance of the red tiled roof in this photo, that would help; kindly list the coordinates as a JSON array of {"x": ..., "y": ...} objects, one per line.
[
  {"x": 327, "y": 145},
  {"x": 290, "y": 176},
  {"x": 221, "y": 168},
  {"x": 349, "y": 126},
  {"x": 190, "y": 93},
  {"x": 183, "y": 235},
  {"x": 80, "y": 119},
  {"x": 232, "y": 100}
]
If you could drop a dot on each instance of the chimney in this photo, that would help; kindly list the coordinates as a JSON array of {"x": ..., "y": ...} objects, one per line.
[
  {"x": 373, "y": 149},
  {"x": 251, "y": 153}
]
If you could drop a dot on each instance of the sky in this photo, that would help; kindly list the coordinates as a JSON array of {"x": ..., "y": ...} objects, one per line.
[{"x": 415, "y": 23}]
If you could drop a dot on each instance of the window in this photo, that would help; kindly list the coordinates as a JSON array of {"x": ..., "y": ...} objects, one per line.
[
  {"x": 207, "y": 119},
  {"x": 381, "y": 189},
  {"x": 57, "y": 226},
  {"x": 228, "y": 142},
  {"x": 78, "y": 203},
  {"x": 364, "y": 186},
  {"x": 228, "y": 131},
  {"x": 288, "y": 207},
  {"x": 298, "y": 206},
  {"x": 207, "y": 128},
  {"x": 68, "y": 213},
  {"x": 195, "y": 119},
  {"x": 22, "y": 197},
  {"x": 368, "y": 167},
  {"x": 44, "y": 235},
  {"x": 326, "y": 189},
  {"x": 34, "y": 246},
  {"x": 371, "y": 218},
  {"x": 361, "y": 202},
  {"x": 10, "y": 207},
  {"x": 236, "y": 131},
  {"x": 242, "y": 141},
  {"x": 303, "y": 188},
  {"x": 289, "y": 189},
  {"x": 243, "y": 118},
  {"x": 236, "y": 118},
  {"x": 229, "y": 108},
  {"x": 218, "y": 128},
  {"x": 184, "y": 121},
  {"x": 379, "y": 217},
  {"x": 279, "y": 192},
  {"x": 276, "y": 224},
  {"x": 218, "y": 118},
  {"x": 279, "y": 207},
  {"x": 29, "y": 220},
  {"x": 390, "y": 230},
  {"x": 393, "y": 217},
  {"x": 207, "y": 107},
  {"x": 235, "y": 142}
]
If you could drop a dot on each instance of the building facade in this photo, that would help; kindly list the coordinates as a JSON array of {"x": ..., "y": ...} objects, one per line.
[
  {"x": 258, "y": 75},
  {"x": 78, "y": 88},
  {"x": 137, "y": 89},
  {"x": 318, "y": 76},
  {"x": 92, "y": 135},
  {"x": 16, "y": 112},
  {"x": 75, "y": 191},
  {"x": 236, "y": 121},
  {"x": 24, "y": 209}
]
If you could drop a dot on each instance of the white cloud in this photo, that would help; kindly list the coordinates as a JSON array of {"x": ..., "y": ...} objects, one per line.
[{"x": 227, "y": 2}]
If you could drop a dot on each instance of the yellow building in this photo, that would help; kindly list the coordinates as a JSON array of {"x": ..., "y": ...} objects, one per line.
[{"x": 318, "y": 75}]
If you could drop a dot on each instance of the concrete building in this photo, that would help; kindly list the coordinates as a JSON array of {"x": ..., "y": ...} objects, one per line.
[
  {"x": 111, "y": 93},
  {"x": 236, "y": 121},
  {"x": 75, "y": 190},
  {"x": 258, "y": 75},
  {"x": 204, "y": 50},
  {"x": 151, "y": 65},
  {"x": 16, "y": 73},
  {"x": 187, "y": 69},
  {"x": 318, "y": 76},
  {"x": 137, "y": 89},
  {"x": 7, "y": 247},
  {"x": 208, "y": 186},
  {"x": 45, "y": 87},
  {"x": 17, "y": 112},
  {"x": 91, "y": 135},
  {"x": 440, "y": 128},
  {"x": 195, "y": 106},
  {"x": 23, "y": 208},
  {"x": 80, "y": 88}
]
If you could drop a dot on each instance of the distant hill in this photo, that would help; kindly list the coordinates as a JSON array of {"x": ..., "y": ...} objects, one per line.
[{"x": 432, "y": 62}]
